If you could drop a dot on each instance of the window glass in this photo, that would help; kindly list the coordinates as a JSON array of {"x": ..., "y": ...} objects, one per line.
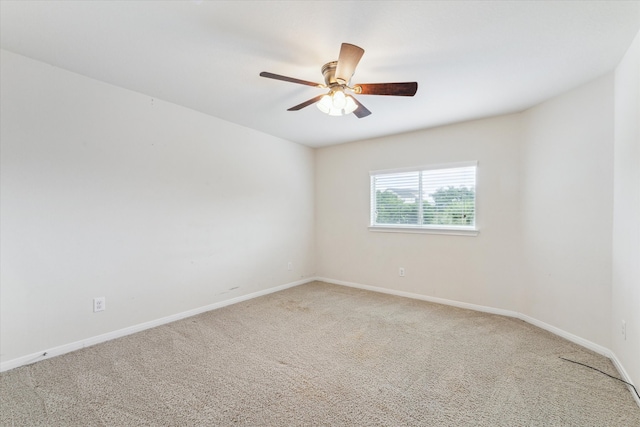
[{"x": 430, "y": 197}]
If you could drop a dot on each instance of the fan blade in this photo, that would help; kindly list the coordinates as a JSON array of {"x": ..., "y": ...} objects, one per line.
[
  {"x": 394, "y": 89},
  {"x": 347, "y": 61},
  {"x": 361, "y": 111},
  {"x": 288, "y": 79},
  {"x": 306, "y": 103}
]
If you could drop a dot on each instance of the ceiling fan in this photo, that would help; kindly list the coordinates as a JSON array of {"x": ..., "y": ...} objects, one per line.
[{"x": 337, "y": 77}]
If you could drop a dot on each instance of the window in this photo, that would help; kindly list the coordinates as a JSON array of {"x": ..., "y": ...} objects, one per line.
[{"x": 440, "y": 198}]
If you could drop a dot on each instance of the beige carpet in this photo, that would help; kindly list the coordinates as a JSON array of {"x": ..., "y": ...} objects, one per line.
[{"x": 321, "y": 354}]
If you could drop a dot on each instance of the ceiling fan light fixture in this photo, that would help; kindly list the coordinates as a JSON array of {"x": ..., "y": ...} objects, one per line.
[{"x": 336, "y": 103}]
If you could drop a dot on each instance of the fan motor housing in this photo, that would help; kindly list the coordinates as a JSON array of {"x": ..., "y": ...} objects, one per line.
[{"x": 329, "y": 73}]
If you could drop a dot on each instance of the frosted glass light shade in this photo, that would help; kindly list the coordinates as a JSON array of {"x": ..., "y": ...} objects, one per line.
[
  {"x": 350, "y": 106},
  {"x": 325, "y": 104},
  {"x": 339, "y": 100}
]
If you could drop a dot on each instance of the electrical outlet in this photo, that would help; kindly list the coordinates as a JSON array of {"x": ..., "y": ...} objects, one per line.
[
  {"x": 401, "y": 271},
  {"x": 623, "y": 329},
  {"x": 99, "y": 304},
  {"x": 289, "y": 266}
]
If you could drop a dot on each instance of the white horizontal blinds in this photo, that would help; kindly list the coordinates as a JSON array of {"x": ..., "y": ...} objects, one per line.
[
  {"x": 430, "y": 198},
  {"x": 449, "y": 196},
  {"x": 396, "y": 198}
]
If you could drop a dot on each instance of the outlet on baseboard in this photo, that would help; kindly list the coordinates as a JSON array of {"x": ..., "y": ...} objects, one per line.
[
  {"x": 401, "y": 271},
  {"x": 624, "y": 330},
  {"x": 99, "y": 304}
]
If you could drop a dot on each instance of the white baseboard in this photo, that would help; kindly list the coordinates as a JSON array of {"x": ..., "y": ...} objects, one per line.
[
  {"x": 542, "y": 325},
  {"x": 453, "y": 303},
  {"x": 625, "y": 376},
  {"x": 66, "y": 348},
  {"x": 566, "y": 335}
]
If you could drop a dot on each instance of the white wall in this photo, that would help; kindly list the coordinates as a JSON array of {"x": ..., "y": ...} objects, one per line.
[
  {"x": 480, "y": 270},
  {"x": 626, "y": 213},
  {"x": 566, "y": 196},
  {"x": 107, "y": 192},
  {"x": 545, "y": 192}
]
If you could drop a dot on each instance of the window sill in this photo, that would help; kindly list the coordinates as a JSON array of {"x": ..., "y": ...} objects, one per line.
[{"x": 425, "y": 230}]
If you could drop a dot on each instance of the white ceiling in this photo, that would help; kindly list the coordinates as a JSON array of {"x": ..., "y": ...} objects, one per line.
[{"x": 471, "y": 59}]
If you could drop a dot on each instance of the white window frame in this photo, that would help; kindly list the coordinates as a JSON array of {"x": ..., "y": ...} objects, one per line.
[{"x": 429, "y": 228}]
